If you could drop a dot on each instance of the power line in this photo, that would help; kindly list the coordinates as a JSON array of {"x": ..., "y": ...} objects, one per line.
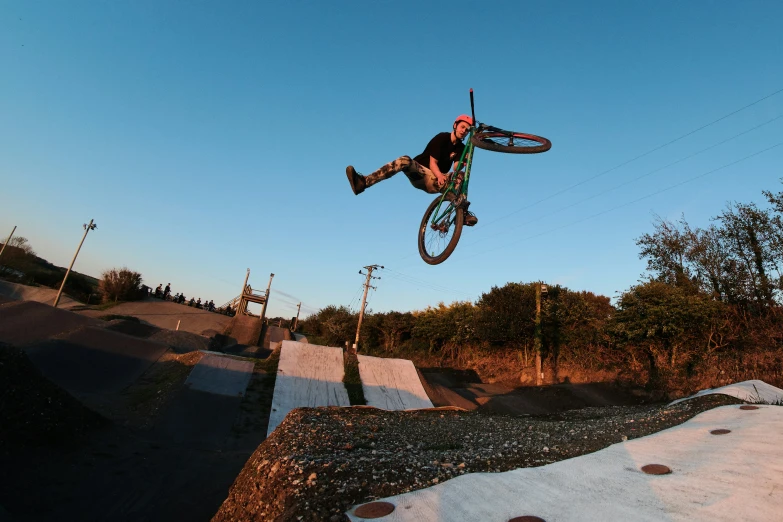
[
  {"x": 659, "y": 147},
  {"x": 631, "y": 202},
  {"x": 422, "y": 283},
  {"x": 542, "y": 216}
]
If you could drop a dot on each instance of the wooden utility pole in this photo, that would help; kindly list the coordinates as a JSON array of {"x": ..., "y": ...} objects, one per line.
[
  {"x": 364, "y": 301},
  {"x": 266, "y": 300},
  {"x": 537, "y": 341},
  {"x": 296, "y": 321},
  {"x": 7, "y": 240},
  {"x": 242, "y": 303},
  {"x": 87, "y": 229}
]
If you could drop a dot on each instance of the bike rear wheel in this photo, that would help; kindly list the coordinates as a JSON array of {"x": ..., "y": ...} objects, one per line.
[
  {"x": 437, "y": 241},
  {"x": 499, "y": 140}
]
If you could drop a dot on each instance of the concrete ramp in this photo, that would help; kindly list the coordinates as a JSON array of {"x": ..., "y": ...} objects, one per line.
[
  {"x": 246, "y": 329},
  {"x": 221, "y": 375},
  {"x": 203, "y": 413},
  {"x": 748, "y": 391},
  {"x": 308, "y": 375},
  {"x": 94, "y": 360},
  {"x": 392, "y": 384},
  {"x": 714, "y": 477}
]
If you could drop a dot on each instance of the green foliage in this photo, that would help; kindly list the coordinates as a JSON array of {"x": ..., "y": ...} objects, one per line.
[
  {"x": 667, "y": 323},
  {"x": 506, "y": 315},
  {"x": 446, "y": 326},
  {"x": 120, "y": 285},
  {"x": 331, "y": 326},
  {"x": 352, "y": 380}
]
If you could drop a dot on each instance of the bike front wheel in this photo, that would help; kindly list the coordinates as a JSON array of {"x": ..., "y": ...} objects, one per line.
[
  {"x": 438, "y": 239},
  {"x": 499, "y": 140}
]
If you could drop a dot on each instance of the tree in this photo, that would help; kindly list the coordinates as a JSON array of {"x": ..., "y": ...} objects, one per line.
[
  {"x": 18, "y": 255},
  {"x": 392, "y": 326},
  {"x": 120, "y": 285},
  {"x": 666, "y": 250},
  {"x": 506, "y": 315},
  {"x": 749, "y": 235},
  {"x": 667, "y": 323}
]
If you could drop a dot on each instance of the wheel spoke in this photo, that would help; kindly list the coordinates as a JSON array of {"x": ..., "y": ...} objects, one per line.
[{"x": 510, "y": 140}]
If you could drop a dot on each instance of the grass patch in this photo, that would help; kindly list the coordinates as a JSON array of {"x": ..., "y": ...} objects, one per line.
[
  {"x": 757, "y": 399},
  {"x": 352, "y": 381},
  {"x": 269, "y": 365},
  {"x": 111, "y": 317}
]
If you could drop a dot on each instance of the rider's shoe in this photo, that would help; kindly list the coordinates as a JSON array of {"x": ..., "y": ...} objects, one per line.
[
  {"x": 470, "y": 219},
  {"x": 357, "y": 181}
]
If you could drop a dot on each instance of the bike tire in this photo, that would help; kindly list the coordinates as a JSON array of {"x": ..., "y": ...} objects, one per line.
[
  {"x": 438, "y": 258},
  {"x": 499, "y": 140}
]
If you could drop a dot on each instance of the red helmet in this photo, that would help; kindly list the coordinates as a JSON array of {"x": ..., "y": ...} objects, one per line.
[{"x": 463, "y": 117}]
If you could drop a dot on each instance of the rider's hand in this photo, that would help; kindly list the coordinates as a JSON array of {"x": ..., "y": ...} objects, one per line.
[{"x": 441, "y": 180}]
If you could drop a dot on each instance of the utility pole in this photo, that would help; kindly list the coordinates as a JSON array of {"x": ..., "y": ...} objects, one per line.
[
  {"x": 296, "y": 321},
  {"x": 87, "y": 228},
  {"x": 364, "y": 300},
  {"x": 541, "y": 291},
  {"x": 266, "y": 299},
  {"x": 7, "y": 240}
]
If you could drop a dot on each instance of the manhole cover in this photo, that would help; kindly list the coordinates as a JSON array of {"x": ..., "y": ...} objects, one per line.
[
  {"x": 720, "y": 432},
  {"x": 527, "y": 518},
  {"x": 749, "y": 407},
  {"x": 656, "y": 469},
  {"x": 374, "y": 510}
]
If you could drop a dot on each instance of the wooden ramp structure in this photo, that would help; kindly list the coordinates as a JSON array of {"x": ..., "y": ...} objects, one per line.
[
  {"x": 392, "y": 384},
  {"x": 308, "y": 375}
]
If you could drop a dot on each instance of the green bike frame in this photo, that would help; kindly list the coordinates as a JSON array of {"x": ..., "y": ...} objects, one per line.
[{"x": 461, "y": 195}]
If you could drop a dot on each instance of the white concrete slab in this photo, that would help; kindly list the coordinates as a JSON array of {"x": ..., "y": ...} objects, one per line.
[
  {"x": 392, "y": 384},
  {"x": 308, "y": 375},
  {"x": 748, "y": 391},
  {"x": 220, "y": 375},
  {"x": 737, "y": 476}
]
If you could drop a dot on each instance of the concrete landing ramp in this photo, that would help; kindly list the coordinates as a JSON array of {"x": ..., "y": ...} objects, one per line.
[
  {"x": 748, "y": 391},
  {"x": 392, "y": 384},
  {"x": 724, "y": 476},
  {"x": 220, "y": 375},
  {"x": 203, "y": 413},
  {"x": 308, "y": 375},
  {"x": 94, "y": 360}
]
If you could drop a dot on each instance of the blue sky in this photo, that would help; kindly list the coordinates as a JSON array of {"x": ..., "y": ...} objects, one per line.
[{"x": 205, "y": 138}]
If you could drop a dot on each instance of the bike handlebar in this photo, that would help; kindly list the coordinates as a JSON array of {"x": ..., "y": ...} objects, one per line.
[{"x": 472, "y": 110}]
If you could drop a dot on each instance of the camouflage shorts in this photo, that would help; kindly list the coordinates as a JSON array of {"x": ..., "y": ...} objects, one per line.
[{"x": 420, "y": 176}]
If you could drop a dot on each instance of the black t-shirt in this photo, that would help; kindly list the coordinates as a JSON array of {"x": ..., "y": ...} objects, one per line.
[{"x": 443, "y": 150}]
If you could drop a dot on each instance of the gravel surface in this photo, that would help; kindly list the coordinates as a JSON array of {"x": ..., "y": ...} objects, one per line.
[{"x": 321, "y": 461}]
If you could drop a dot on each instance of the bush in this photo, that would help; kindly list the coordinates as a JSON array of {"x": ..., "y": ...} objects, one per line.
[{"x": 120, "y": 285}]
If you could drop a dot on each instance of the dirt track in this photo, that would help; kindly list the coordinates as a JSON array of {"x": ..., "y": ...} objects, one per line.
[{"x": 165, "y": 314}]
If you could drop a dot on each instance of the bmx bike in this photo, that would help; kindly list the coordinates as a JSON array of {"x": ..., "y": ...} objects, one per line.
[{"x": 441, "y": 226}]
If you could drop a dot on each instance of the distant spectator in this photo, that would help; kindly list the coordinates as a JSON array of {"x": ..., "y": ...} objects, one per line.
[
  {"x": 198, "y": 303},
  {"x": 211, "y": 306},
  {"x": 181, "y": 298},
  {"x": 159, "y": 291},
  {"x": 192, "y": 302},
  {"x": 167, "y": 291}
]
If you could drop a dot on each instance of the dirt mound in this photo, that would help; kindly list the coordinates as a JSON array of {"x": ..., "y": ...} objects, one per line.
[
  {"x": 180, "y": 342},
  {"x": 27, "y": 322},
  {"x": 167, "y": 314},
  {"x": 319, "y": 462},
  {"x": 34, "y": 411},
  {"x": 41, "y": 294}
]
